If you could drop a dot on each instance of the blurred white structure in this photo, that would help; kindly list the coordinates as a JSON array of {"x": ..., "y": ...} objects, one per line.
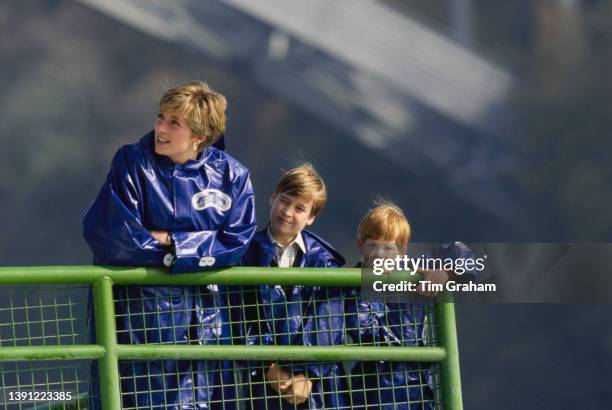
[{"x": 420, "y": 98}]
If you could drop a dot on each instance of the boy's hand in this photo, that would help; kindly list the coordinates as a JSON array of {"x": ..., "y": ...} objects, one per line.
[
  {"x": 279, "y": 379},
  {"x": 433, "y": 276},
  {"x": 300, "y": 389}
]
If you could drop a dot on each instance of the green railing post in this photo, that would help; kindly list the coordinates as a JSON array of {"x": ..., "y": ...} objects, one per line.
[
  {"x": 106, "y": 335},
  {"x": 447, "y": 338}
]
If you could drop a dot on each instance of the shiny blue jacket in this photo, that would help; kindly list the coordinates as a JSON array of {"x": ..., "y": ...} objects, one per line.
[
  {"x": 394, "y": 385},
  {"x": 207, "y": 205},
  {"x": 296, "y": 315}
]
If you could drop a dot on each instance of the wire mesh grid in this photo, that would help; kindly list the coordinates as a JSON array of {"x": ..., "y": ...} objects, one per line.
[
  {"x": 36, "y": 316},
  {"x": 45, "y": 385},
  {"x": 204, "y": 315},
  {"x": 43, "y": 315},
  {"x": 274, "y": 315}
]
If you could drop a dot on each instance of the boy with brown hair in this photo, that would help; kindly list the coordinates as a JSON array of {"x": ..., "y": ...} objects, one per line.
[{"x": 292, "y": 315}]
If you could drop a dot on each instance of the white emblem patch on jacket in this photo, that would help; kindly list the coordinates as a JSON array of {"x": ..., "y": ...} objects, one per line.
[
  {"x": 211, "y": 198},
  {"x": 207, "y": 261}
]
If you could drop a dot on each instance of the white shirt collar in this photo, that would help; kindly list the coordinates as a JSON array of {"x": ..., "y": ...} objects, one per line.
[{"x": 299, "y": 241}]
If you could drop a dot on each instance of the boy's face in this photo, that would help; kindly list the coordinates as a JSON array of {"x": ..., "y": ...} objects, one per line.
[
  {"x": 174, "y": 139},
  {"x": 371, "y": 249},
  {"x": 288, "y": 216}
]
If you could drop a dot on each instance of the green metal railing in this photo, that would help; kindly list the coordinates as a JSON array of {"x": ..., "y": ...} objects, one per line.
[{"x": 108, "y": 352}]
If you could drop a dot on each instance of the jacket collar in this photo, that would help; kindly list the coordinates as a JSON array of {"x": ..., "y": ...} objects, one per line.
[
  {"x": 299, "y": 241},
  {"x": 317, "y": 248},
  {"x": 191, "y": 165}
]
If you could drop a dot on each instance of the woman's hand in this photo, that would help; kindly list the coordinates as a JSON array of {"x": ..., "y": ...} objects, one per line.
[{"x": 162, "y": 237}]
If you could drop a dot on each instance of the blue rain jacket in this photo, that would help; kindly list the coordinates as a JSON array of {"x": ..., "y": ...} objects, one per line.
[
  {"x": 207, "y": 205},
  {"x": 297, "y": 315},
  {"x": 393, "y": 385}
]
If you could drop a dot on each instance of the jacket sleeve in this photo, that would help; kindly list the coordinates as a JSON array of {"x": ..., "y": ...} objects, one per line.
[
  {"x": 112, "y": 226},
  {"x": 221, "y": 247}
]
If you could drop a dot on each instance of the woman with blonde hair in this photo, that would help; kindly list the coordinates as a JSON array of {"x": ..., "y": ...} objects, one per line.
[{"x": 174, "y": 200}]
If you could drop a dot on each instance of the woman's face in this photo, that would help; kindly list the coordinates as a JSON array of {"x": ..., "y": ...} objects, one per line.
[{"x": 174, "y": 139}]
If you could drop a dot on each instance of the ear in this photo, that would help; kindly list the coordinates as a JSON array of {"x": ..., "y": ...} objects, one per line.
[
  {"x": 200, "y": 138},
  {"x": 311, "y": 220},
  {"x": 403, "y": 249}
]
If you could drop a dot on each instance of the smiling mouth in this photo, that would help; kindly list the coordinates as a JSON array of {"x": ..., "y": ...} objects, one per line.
[
  {"x": 283, "y": 221},
  {"x": 161, "y": 140}
]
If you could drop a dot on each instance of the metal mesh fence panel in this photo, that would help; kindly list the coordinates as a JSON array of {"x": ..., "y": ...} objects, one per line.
[
  {"x": 167, "y": 334},
  {"x": 37, "y": 316}
]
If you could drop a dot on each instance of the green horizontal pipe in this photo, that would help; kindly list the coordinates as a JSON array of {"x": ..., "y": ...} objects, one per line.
[
  {"x": 51, "y": 352},
  {"x": 317, "y": 353},
  {"x": 37, "y": 275},
  {"x": 150, "y": 352}
]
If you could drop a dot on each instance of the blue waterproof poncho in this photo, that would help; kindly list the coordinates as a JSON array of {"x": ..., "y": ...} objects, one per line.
[
  {"x": 393, "y": 385},
  {"x": 296, "y": 315},
  {"x": 207, "y": 205}
]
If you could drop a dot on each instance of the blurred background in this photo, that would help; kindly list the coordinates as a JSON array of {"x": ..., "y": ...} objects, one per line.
[{"x": 484, "y": 120}]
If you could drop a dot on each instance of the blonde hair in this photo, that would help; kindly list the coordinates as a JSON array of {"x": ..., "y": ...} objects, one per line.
[
  {"x": 386, "y": 222},
  {"x": 203, "y": 108},
  {"x": 304, "y": 182}
]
